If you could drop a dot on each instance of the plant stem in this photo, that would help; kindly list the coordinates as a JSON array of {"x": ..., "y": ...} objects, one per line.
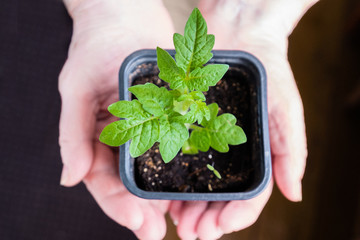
[{"x": 192, "y": 126}]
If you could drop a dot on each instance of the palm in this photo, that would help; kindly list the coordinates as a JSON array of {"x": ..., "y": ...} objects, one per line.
[{"x": 88, "y": 84}]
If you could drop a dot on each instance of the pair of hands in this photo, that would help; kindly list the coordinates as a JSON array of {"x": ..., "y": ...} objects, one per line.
[{"x": 105, "y": 32}]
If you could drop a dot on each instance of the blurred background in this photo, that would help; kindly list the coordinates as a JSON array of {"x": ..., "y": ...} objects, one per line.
[{"x": 324, "y": 53}]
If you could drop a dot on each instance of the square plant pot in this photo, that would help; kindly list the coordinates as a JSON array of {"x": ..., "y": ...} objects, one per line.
[{"x": 245, "y": 169}]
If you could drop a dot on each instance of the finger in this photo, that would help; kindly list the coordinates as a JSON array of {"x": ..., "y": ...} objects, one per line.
[
  {"x": 289, "y": 155},
  {"x": 288, "y": 145},
  {"x": 162, "y": 205},
  {"x": 154, "y": 226},
  {"x": 190, "y": 215},
  {"x": 175, "y": 211},
  {"x": 237, "y": 215},
  {"x": 77, "y": 124},
  {"x": 104, "y": 183},
  {"x": 208, "y": 227}
]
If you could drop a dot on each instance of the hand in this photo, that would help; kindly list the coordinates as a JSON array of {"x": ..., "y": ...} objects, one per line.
[
  {"x": 262, "y": 31},
  {"x": 105, "y": 32}
]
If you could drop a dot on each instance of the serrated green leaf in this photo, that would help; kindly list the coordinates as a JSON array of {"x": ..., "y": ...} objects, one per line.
[
  {"x": 144, "y": 133},
  {"x": 172, "y": 116},
  {"x": 172, "y": 138},
  {"x": 218, "y": 132},
  {"x": 202, "y": 111},
  {"x": 223, "y": 131},
  {"x": 194, "y": 48},
  {"x": 197, "y": 95},
  {"x": 214, "y": 109},
  {"x": 183, "y": 106},
  {"x": 185, "y": 101},
  {"x": 146, "y": 138},
  {"x": 127, "y": 109},
  {"x": 184, "y": 97},
  {"x": 198, "y": 112},
  {"x": 154, "y": 100},
  {"x": 169, "y": 71},
  {"x": 189, "y": 148},
  {"x": 200, "y": 138},
  {"x": 202, "y": 78}
]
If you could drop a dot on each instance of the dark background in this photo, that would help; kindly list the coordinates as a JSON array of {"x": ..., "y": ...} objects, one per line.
[
  {"x": 324, "y": 52},
  {"x": 35, "y": 36}
]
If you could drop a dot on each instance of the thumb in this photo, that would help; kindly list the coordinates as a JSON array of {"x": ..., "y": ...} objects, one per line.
[
  {"x": 288, "y": 146},
  {"x": 77, "y": 126}
]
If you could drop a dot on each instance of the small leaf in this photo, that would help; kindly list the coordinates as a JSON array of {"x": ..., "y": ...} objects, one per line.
[
  {"x": 183, "y": 106},
  {"x": 194, "y": 48},
  {"x": 172, "y": 137},
  {"x": 217, "y": 174},
  {"x": 202, "y": 78},
  {"x": 127, "y": 109},
  {"x": 154, "y": 100},
  {"x": 175, "y": 93},
  {"x": 198, "y": 111},
  {"x": 223, "y": 131},
  {"x": 169, "y": 71},
  {"x": 197, "y": 95},
  {"x": 144, "y": 133},
  {"x": 203, "y": 108},
  {"x": 184, "y": 97},
  {"x": 211, "y": 168},
  {"x": 201, "y": 139},
  {"x": 189, "y": 148},
  {"x": 214, "y": 109}
]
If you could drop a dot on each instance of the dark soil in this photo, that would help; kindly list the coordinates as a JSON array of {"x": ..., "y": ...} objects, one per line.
[{"x": 188, "y": 173}]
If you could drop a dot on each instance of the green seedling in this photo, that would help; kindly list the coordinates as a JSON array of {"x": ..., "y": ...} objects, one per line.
[
  {"x": 216, "y": 172},
  {"x": 177, "y": 118}
]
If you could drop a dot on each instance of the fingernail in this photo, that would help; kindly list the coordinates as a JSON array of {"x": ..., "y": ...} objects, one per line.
[
  {"x": 135, "y": 227},
  {"x": 64, "y": 176},
  {"x": 175, "y": 220},
  {"x": 219, "y": 231}
]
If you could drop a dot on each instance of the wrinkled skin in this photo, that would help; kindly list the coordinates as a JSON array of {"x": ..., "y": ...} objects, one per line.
[{"x": 105, "y": 32}]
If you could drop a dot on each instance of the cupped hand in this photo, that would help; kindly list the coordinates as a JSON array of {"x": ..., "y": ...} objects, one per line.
[
  {"x": 261, "y": 29},
  {"x": 104, "y": 33}
]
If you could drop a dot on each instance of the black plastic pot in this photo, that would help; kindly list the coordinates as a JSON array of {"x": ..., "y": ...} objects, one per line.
[{"x": 259, "y": 160}]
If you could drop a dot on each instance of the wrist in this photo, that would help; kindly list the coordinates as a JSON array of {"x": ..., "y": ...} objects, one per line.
[
  {"x": 284, "y": 15},
  {"x": 80, "y": 7},
  {"x": 71, "y": 5},
  {"x": 251, "y": 22},
  {"x": 271, "y": 21}
]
